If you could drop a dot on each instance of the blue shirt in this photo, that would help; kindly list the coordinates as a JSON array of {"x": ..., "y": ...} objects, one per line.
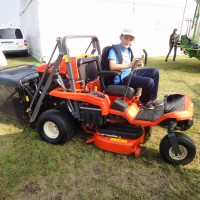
[{"x": 126, "y": 59}]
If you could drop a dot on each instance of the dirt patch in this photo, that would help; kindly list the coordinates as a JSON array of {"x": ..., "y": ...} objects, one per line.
[
  {"x": 58, "y": 196},
  {"x": 32, "y": 188}
]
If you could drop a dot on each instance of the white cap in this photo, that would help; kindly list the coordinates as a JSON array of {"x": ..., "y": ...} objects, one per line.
[{"x": 127, "y": 31}]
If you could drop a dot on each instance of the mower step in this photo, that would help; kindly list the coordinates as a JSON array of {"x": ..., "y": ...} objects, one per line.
[
  {"x": 150, "y": 115},
  {"x": 124, "y": 130},
  {"x": 172, "y": 103}
]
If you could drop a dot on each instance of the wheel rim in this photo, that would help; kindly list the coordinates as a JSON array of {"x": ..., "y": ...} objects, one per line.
[
  {"x": 183, "y": 154},
  {"x": 51, "y": 130}
]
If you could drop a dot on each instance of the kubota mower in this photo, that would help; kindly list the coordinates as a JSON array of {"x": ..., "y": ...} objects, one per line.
[{"x": 55, "y": 96}]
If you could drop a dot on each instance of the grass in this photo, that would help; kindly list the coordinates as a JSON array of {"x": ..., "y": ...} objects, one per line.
[{"x": 32, "y": 169}]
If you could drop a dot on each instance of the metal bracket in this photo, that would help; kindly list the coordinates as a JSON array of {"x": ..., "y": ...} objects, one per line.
[
  {"x": 48, "y": 82},
  {"x": 172, "y": 138}
]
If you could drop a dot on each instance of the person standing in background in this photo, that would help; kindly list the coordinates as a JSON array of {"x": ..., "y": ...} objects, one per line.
[{"x": 173, "y": 43}]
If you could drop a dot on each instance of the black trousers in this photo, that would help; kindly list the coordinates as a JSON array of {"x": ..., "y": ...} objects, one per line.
[
  {"x": 148, "y": 80},
  {"x": 171, "y": 46}
]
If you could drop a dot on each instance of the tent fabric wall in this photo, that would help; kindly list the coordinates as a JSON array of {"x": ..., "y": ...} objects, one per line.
[
  {"x": 3, "y": 61},
  {"x": 29, "y": 19},
  {"x": 45, "y": 20}
]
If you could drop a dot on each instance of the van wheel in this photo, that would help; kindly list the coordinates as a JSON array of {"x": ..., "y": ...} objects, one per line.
[
  {"x": 187, "y": 148},
  {"x": 26, "y": 54},
  {"x": 55, "y": 127}
]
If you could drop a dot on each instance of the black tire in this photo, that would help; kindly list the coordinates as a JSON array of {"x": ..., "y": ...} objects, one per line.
[
  {"x": 72, "y": 121},
  {"x": 26, "y": 54},
  {"x": 55, "y": 126},
  {"x": 186, "y": 145}
]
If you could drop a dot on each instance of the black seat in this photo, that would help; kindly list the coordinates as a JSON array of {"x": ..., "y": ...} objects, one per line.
[
  {"x": 90, "y": 69},
  {"x": 119, "y": 90}
]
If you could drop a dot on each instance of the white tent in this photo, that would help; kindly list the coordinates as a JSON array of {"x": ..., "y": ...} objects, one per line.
[
  {"x": 3, "y": 61},
  {"x": 153, "y": 21}
]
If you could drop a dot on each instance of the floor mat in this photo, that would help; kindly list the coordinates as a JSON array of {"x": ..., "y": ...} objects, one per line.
[{"x": 150, "y": 115}]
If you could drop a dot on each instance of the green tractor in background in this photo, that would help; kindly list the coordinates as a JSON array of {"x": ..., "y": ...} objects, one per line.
[{"x": 190, "y": 42}]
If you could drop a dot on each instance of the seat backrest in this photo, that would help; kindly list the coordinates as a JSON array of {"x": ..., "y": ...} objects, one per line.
[
  {"x": 88, "y": 69},
  {"x": 105, "y": 62}
]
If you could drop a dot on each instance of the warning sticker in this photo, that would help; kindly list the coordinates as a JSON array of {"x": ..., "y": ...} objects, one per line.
[
  {"x": 66, "y": 58},
  {"x": 118, "y": 140}
]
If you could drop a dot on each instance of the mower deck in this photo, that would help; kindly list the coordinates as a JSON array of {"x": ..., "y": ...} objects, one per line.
[{"x": 123, "y": 130}]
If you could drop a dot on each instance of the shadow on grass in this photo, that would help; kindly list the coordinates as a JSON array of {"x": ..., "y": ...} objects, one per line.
[
  {"x": 7, "y": 120},
  {"x": 13, "y": 130}
]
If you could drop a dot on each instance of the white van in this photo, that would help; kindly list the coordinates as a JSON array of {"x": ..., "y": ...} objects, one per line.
[{"x": 12, "y": 41}]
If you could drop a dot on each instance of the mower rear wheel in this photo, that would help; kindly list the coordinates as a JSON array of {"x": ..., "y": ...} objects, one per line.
[
  {"x": 55, "y": 127},
  {"x": 187, "y": 148}
]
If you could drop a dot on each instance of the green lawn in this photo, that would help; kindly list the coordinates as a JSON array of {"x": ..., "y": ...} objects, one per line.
[{"x": 32, "y": 169}]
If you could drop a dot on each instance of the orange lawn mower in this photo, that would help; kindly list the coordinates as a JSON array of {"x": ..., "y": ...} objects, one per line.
[{"x": 55, "y": 96}]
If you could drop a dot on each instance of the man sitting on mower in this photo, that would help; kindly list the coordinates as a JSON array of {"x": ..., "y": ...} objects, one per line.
[{"x": 145, "y": 78}]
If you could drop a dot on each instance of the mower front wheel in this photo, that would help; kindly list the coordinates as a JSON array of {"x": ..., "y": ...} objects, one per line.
[
  {"x": 186, "y": 146},
  {"x": 55, "y": 127}
]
